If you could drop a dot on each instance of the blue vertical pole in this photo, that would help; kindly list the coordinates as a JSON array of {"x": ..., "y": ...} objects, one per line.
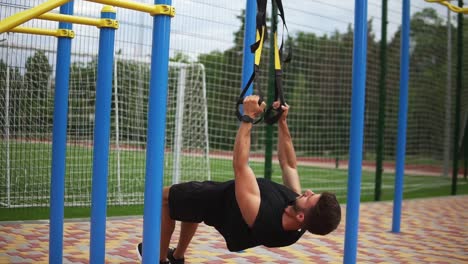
[
  {"x": 402, "y": 116},
  {"x": 59, "y": 141},
  {"x": 101, "y": 139},
  {"x": 249, "y": 39},
  {"x": 155, "y": 136},
  {"x": 357, "y": 131}
]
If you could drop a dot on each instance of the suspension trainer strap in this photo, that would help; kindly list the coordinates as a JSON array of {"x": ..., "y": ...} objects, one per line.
[
  {"x": 271, "y": 115},
  {"x": 256, "y": 48}
]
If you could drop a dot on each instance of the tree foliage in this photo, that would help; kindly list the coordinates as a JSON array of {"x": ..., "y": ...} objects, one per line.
[{"x": 317, "y": 82}]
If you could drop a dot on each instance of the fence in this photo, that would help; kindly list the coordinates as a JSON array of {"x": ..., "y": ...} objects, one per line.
[{"x": 317, "y": 86}]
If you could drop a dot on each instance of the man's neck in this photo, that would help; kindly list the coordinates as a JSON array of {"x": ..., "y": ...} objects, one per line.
[{"x": 289, "y": 220}]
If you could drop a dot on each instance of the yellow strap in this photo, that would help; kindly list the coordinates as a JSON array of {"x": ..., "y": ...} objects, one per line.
[
  {"x": 277, "y": 55},
  {"x": 258, "y": 53}
]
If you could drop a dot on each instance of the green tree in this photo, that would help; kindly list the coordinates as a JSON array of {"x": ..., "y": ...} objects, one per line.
[
  {"x": 427, "y": 86},
  {"x": 82, "y": 92},
  {"x": 13, "y": 84},
  {"x": 428, "y": 64},
  {"x": 133, "y": 92},
  {"x": 36, "y": 101},
  {"x": 180, "y": 57},
  {"x": 223, "y": 84}
]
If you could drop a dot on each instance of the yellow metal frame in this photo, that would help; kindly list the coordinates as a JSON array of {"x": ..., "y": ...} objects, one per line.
[
  {"x": 108, "y": 23},
  {"x": 11, "y": 24},
  {"x": 45, "y": 32},
  {"x": 454, "y": 8},
  {"x": 97, "y": 22},
  {"x": 71, "y": 19},
  {"x": 24, "y": 16},
  {"x": 100, "y": 23},
  {"x": 153, "y": 10}
]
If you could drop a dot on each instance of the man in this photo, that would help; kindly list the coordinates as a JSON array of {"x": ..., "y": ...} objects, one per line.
[{"x": 247, "y": 211}]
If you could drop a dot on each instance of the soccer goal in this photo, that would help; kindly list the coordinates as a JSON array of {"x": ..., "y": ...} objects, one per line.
[
  {"x": 25, "y": 154},
  {"x": 187, "y": 144}
]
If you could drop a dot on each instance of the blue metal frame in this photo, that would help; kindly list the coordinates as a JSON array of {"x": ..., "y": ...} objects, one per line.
[
  {"x": 59, "y": 141},
  {"x": 402, "y": 116},
  {"x": 155, "y": 136},
  {"x": 101, "y": 140},
  {"x": 357, "y": 130},
  {"x": 249, "y": 39}
]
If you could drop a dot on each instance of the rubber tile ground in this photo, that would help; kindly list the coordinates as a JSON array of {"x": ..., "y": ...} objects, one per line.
[{"x": 432, "y": 231}]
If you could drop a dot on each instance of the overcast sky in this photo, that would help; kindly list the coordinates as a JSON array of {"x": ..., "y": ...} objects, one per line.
[
  {"x": 317, "y": 16},
  {"x": 201, "y": 26}
]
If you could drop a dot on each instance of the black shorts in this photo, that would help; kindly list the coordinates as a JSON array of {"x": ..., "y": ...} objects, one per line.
[{"x": 198, "y": 201}]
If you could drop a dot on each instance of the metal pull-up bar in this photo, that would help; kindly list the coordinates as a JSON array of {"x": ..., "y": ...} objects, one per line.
[
  {"x": 454, "y": 8},
  {"x": 153, "y": 10},
  {"x": 22, "y": 17}
]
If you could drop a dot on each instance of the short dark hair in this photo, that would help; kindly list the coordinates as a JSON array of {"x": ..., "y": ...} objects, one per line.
[{"x": 325, "y": 216}]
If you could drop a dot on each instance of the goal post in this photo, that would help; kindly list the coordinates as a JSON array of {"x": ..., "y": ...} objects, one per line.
[
  {"x": 26, "y": 160},
  {"x": 190, "y": 145},
  {"x": 187, "y": 143}
]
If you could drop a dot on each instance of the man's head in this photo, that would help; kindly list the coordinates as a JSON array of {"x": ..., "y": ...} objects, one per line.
[{"x": 321, "y": 213}]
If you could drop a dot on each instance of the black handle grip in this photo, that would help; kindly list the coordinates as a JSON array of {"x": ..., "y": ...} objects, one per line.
[
  {"x": 260, "y": 100},
  {"x": 240, "y": 101},
  {"x": 272, "y": 115}
]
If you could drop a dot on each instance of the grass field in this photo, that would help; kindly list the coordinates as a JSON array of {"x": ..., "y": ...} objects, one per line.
[{"x": 30, "y": 180}]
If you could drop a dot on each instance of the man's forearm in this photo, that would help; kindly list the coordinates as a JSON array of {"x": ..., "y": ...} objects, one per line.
[
  {"x": 286, "y": 153},
  {"x": 242, "y": 146},
  {"x": 287, "y": 158},
  {"x": 246, "y": 186}
]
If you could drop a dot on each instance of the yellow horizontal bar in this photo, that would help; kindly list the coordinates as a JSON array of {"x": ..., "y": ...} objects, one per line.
[
  {"x": 454, "y": 8},
  {"x": 102, "y": 22},
  {"x": 147, "y": 8},
  {"x": 24, "y": 16},
  {"x": 71, "y": 19},
  {"x": 126, "y": 4},
  {"x": 44, "y": 32}
]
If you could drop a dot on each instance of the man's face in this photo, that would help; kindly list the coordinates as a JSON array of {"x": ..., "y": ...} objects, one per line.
[{"x": 307, "y": 200}]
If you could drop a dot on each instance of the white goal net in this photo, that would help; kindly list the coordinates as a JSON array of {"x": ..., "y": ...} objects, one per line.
[{"x": 26, "y": 141}]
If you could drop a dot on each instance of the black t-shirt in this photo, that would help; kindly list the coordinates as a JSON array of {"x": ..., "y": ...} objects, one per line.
[{"x": 267, "y": 229}]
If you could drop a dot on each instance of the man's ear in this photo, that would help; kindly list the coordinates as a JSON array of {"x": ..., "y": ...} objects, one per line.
[{"x": 300, "y": 216}]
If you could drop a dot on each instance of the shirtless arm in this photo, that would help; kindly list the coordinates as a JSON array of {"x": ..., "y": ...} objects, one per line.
[{"x": 247, "y": 190}]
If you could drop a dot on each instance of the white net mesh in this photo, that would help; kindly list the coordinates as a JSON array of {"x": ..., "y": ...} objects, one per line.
[{"x": 207, "y": 45}]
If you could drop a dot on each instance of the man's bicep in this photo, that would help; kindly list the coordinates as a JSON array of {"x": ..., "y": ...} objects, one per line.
[{"x": 247, "y": 194}]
